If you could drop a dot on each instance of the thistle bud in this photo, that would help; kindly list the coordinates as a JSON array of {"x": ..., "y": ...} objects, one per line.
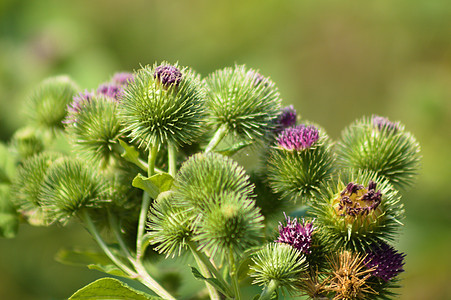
[
  {"x": 69, "y": 187},
  {"x": 300, "y": 162},
  {"x": 243, "y": 101},
  {"x": 287, "y": 118},
  {"x": 358, "y": 208},
  {"x": 280, "y": 263},
  {"x": 47, "y": 105},
  {"x": 164, "y": 104},
  {"x": 381, "y": 146},
  {"x": 385, "y": 261},
  {"x": 297, "y": 235},
  {"x": 27, "y": 142}
]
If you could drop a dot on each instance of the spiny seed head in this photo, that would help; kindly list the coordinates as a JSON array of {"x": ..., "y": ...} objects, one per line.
[
  {"x": 385, "y": 261},
  {"x": 296, "y": 234},
  {"x": 281, "y": 263},
  {"x": 243, "y": 101},
  {"x": 155, "y": 113},
  {"x": 47, "y": 105},
  {"x": 298, "y": 138}
]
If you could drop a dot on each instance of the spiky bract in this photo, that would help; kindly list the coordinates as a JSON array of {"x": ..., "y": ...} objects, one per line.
[
  {"x": 154, "y": 113},
  {"x": 349, "y": 277},
  {"x": 344, "y": 227},
  {"x": 27, "y": 141},
  {"x": 243, "y": 101},
  {"x": 96, "y": 130},
  {"x": 281, "y": 263},
  {"x": 27, "y": 186},
  {"x": 205, "y": 175},
  {"x": 382, "y": 147},
  {"x": 70, "y": 186},
  {"x": 231, "y": 223},
  {"x": 169, "y": 226},
  {"x": 298, "y": 175},
  {"x": 47, "y": 105}
]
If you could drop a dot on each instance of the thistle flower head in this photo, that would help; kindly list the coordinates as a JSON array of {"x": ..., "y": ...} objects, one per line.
[
  {"x": 74, "y": 108},
  {"x": 230, "y": 223},
  {"x": 47, "y": 105},
  {"x": 384, "y": 123},
  {"x": 111, "y": 90},
  {"x": 357, "y": 200},
  {"x": 281, "y": 263},
  {"x": 385, "y": 261},
  {"x": 296, "y": 234},
  {"x": 298, "y": 138},
  {"x": 168, "y": 75},
  {"x": 122, "y": 78},
  {"x": 349, "y": 277},
  {"x": 287, "y": 118},
  {"x": 161, "y": 106},
  {"x": 242, "y": 101}
]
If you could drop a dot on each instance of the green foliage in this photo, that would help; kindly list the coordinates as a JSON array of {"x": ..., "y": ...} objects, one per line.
[
  {"x": 109, "y": 288},
  {"x": 298, "y": 175},
  {"x": 153, "y": 185},
  {"x": 96, "y": 130},
  {"x": 47, "y": 104},
  {"x": 9, "y": 221},
  {"x": 154, "y": 114},
  {"x": 394, "y": 154},
  {"x": 243, "y": 101}
]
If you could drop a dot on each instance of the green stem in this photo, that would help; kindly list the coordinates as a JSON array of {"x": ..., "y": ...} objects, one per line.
[
  {"x": 148, "y": 281},
  {"x": 212, "y": 269},
  {"x": 172, "y": 159},
  {"x": 219, "y": 135},
  {"x": 234, "y": 276},
  {"x": 214, "y": 295},
  {"x": 145, "y": 205},
  {"x": 95, "y": 233},
  {"x": 269, "y": 290},
  {"x": 115, "y": 226}
]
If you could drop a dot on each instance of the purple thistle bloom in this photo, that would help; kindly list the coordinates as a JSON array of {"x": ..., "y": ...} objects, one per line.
[
  {"x": 384, "y": 123},
  {"x": 110, "y": 90},
  {"x": 287, "y": 118},
  {"x": 298, "y": 138},
  {"x": 387, "y": 261},
  {"x": 77, "y": 103},
  {"x": 123, "y": 78},
  {"x": 168, "y": 75},
  {"x": 297, "y": 235}
]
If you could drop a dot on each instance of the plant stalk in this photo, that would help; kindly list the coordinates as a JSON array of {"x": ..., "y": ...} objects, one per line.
[
  {"x": 219, "y": 135},
  {"x": 269, "y": 290},
  {"x": 172, "y": 159}
]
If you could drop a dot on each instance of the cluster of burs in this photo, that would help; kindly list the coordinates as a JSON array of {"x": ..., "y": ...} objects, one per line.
[{"x": 148, "y": 162}]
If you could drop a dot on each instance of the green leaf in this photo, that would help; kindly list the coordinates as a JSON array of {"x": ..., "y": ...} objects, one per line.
[
  {"x": 7, "y": 165},
  {"x": 9, "y": 220},
  {"x": 213, "y": 281},
  {"x": 81, "y": 257},
  {"x": 109, "y": 269},
  {"x": 235, "y": 148},
  {"x": 109, "y": 289},
  {"x": 132, "y": 155},
  {"x": 155, "y": 184}
]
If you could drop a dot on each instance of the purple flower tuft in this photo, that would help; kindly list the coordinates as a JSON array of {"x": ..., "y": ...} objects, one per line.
[
  {"x": 298, "y": 138},
  {"x": 287, "y": 118},
  {"x": 168, "y": 75},
  {"x": 387, "y": 261},
  {"x": 384, "y": 123},
  {"x": 110, "y": 90},
  {"x": 297, "y": 235},
  {"x": 75, "y": 106},
  {"x": 356, "y": 200},
  {"x": 123, "y": 78}
]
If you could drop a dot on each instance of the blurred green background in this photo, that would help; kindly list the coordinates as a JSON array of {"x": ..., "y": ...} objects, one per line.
[{"x": 334, "y": 60}]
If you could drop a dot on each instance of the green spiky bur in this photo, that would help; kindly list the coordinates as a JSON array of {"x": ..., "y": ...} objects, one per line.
[
  {"x": 27, "y": 141},
  {"x": 96, "y": 130},
  {"x": 170, "y": 226},
  {"x": 280, "y": 263},
  {"x": 204, "y": 175},
  {"x": 70, "y": 186},
  {"x": 242, "y": 101},
  {"x": 47, "y": 104},
  {"x": 27, "y": 186},
  {"x": 394, "y": 154},
  {"x": 230, "y": 223},
  {"x": 357, "y": 233},
  {"x": 154, "y": 114},
  {"x": 298, "y": 175}
]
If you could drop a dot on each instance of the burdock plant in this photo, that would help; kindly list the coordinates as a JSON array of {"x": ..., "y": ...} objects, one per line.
[{"x": 146, "y": 163}]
